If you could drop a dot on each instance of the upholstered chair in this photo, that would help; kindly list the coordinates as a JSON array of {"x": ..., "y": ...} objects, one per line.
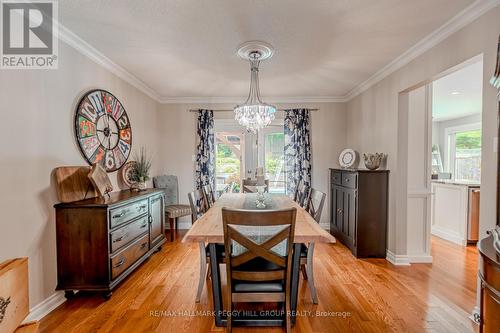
[{"x": 173, "y": 210}]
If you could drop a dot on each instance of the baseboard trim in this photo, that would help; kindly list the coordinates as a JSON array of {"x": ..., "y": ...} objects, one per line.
[
  {"x": 449, "y": 236},
  {"x": 397, "y": 259},
  {"x": 420, "y": 259},
  {"x": 45, "y": 307}
]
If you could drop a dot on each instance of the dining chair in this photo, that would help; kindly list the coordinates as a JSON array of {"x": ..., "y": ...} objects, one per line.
[
  {"x": 199, "y": 207},
  {"x": 253, "y": 182},
  {"x": 258, "y": 247},
  {"x": 209, "y": 195},
  {"x": 301, "y": 195},
  {"x": 173, "y": 210},
  {"x": 314, "y": 206}
]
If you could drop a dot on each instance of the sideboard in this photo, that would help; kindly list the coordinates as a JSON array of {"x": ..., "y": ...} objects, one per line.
[
  {"x": 102, "y": 241},
  {"x": 489, "y": 275}
]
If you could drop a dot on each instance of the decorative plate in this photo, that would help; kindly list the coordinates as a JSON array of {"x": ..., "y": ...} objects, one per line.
[
  {"x": 348, "y": 158},
  {"x": 102, "y": 130},
  {"x": 126, "y": 173}
]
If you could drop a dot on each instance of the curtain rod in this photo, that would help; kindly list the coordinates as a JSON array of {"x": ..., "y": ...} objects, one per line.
[{"x": 228, "y": 110}]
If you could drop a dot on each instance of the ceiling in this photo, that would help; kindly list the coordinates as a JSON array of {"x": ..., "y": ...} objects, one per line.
[
  {"x": 186, "y": 48},
  {"x": 458, "y": 94}
]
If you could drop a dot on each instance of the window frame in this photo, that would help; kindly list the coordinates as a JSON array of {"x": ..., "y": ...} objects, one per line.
[{"x": 450, "y": 145}]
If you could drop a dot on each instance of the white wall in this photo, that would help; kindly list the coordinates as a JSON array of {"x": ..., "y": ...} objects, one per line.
[
  {"x": 178, "y": 143},
  {"x": 372, "y": 116},
  {"x": 36, "y": 130}
]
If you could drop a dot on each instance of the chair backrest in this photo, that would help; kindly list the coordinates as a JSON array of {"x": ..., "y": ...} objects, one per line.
[
  {"x": 301, "y": 195},
  {"x": 209, "y": 195},
  {"x": 253, "y": 182},
  {"x": 263, "y": 235},
  {"x": 315, "y": 204},
  {"x": 198, "y": 204},
  {"x": 170, "y": 186}
]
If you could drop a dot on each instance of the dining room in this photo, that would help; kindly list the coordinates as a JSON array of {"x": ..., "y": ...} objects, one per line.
[{"x": 251, "y": 166}]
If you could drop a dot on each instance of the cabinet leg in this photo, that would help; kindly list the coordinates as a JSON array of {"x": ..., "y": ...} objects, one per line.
[
  {"x": 69, "y": 294},
  {"x": 107, "y": 295},
  {"x": 171, "y": 223}
]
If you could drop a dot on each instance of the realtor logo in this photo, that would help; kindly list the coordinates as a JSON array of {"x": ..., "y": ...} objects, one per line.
[{"x": 29, "y": 34}]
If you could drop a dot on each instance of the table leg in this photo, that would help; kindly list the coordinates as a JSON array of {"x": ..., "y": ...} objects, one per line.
[
  {"x": 216, "y": 284},
  {"x": 295, "y": 279}
]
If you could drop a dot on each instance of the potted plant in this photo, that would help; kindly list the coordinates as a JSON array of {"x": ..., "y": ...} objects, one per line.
[{"x": 140, "y": 171}]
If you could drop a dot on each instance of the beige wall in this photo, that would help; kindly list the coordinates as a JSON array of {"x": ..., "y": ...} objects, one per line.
[
  {"x": 179, "y": 142},
  {"x": 36, "y": 131},
  {"x": 372, "y": 117}
]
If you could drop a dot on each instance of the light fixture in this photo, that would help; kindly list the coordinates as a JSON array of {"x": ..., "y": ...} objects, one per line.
[
  {"x": 254, "y": 114},
  {"x": 455, "y": 93}
]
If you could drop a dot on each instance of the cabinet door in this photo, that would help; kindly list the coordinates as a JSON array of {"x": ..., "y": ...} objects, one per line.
[
  {"x": 349, "y": 215},
  {"x": 156, "y": 212},
  {"x": 337, "y": 204}
]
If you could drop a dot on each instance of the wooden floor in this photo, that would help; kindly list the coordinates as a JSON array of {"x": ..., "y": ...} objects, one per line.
[{"x": 354, "y": 295}]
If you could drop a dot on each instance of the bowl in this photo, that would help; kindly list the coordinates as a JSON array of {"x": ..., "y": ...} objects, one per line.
[{"x": 373, "y": 160}]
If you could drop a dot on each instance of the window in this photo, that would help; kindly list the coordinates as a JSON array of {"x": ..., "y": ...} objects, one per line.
[
  {"x": 274, "y": 159},
  {"x": 228, "y": 158},
  {"x": 464, "y": 154}
]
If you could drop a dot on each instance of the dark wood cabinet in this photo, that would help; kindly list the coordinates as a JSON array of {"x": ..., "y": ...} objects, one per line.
[
  {"x": 100, "y": 242},
  {"x": 358, "y": 210},
  {"x": 489, "y": 275}
]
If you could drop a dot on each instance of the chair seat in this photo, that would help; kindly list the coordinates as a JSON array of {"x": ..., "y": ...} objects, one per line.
[
  {"x": 258, "y": 287},
  {"x": 174, "y": 211}
]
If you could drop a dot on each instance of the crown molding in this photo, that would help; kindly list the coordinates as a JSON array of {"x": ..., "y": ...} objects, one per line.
[
  {"x": 466, "y": 16},
  {"x": 73, "y": 40},
  {"x": 240, "y": 99}
]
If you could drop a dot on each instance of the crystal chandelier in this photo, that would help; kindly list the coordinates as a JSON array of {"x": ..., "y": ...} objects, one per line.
[{"x": 253, "y": 113}]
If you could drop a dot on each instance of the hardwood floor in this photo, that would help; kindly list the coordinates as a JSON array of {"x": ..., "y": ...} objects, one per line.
[{"x": 354, "y": 295}]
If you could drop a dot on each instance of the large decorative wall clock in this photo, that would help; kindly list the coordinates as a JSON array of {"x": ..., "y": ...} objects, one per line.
[{"x": 102, "y": 129}]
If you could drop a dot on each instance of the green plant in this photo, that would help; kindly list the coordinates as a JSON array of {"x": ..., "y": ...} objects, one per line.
[{"x": 142, "y": 166}]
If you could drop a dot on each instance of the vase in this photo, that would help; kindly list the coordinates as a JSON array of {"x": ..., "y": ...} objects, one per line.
[
  {"x": 373, "y": 161},
  {"x": 138, "y": 186}
]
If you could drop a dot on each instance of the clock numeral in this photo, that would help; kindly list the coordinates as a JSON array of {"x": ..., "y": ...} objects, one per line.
[
  {"x": 88, "y": 111},
  {"x": 110, "y": 160},
  {"x": 124, "y": 147},
  {"x": 96, "y": 99},
  {"x": 125, "y": 135},
  {"x": 123, "y": 122}
]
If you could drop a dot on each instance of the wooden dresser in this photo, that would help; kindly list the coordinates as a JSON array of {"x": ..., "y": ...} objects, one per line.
[
  {"x": 489, "y": 274},
  {"x": 358, "y": 210},
  {"x": 100, "y": 242}
]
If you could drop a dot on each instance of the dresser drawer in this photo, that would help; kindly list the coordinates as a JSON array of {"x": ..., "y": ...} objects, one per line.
[
  {"x": 126, "y": 213},
  {"x": 127, "y": 233},
  {"x": 349, "y": 179},
  {"x": 125, "y": 258},
  {"x": 337, "y": 177}
]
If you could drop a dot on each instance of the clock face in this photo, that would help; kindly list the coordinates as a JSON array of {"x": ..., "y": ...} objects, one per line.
[{"x": 103, "y": 130}]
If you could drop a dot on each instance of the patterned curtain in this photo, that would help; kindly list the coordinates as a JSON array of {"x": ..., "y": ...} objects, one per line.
[
  {"x": 205, "y": 156},
  {"x": 297, "y": 149}
]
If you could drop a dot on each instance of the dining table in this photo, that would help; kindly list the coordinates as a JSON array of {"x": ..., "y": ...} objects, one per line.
[{"x": 208, "y": 229}]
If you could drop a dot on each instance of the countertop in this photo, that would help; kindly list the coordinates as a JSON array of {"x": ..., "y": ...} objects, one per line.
[{"x": 456, "y": 182}]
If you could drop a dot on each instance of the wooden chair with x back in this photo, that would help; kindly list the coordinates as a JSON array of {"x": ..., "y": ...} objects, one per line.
[
  {"x": 199, "y": 206},
  {"x": 209, "y": 195},
  {"x": 258, "y": 247},
  {"x": 314, "y": 206},
  {"x": 301, "y": 195}
]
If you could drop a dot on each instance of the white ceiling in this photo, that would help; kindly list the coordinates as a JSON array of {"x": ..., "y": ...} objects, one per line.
[
  {"x": 186, "y": 48},
  {"x": 458, "y": 94}
]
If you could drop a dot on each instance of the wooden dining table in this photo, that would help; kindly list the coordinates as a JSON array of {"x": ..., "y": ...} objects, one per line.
[{"x": 208, "y": 229}]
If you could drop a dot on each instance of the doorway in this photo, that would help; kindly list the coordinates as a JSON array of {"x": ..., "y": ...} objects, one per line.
[{"x": 429, "y": 164}]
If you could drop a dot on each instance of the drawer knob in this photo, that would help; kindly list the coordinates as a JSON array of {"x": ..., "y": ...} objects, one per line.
[
  {"x": 119, "y": 239},
  {"x": 143, "y": 245},
  {"x": 144, "y": 225},
  {"x": 119, "y": 263},
  {"x": 122, "y": 214},
  {"x": 142, "y": 207}
]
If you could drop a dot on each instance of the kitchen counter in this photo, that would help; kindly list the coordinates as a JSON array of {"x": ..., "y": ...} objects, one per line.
[
  {"x": 457, "y": 182},
  {"x": 455, "y": 210}
]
